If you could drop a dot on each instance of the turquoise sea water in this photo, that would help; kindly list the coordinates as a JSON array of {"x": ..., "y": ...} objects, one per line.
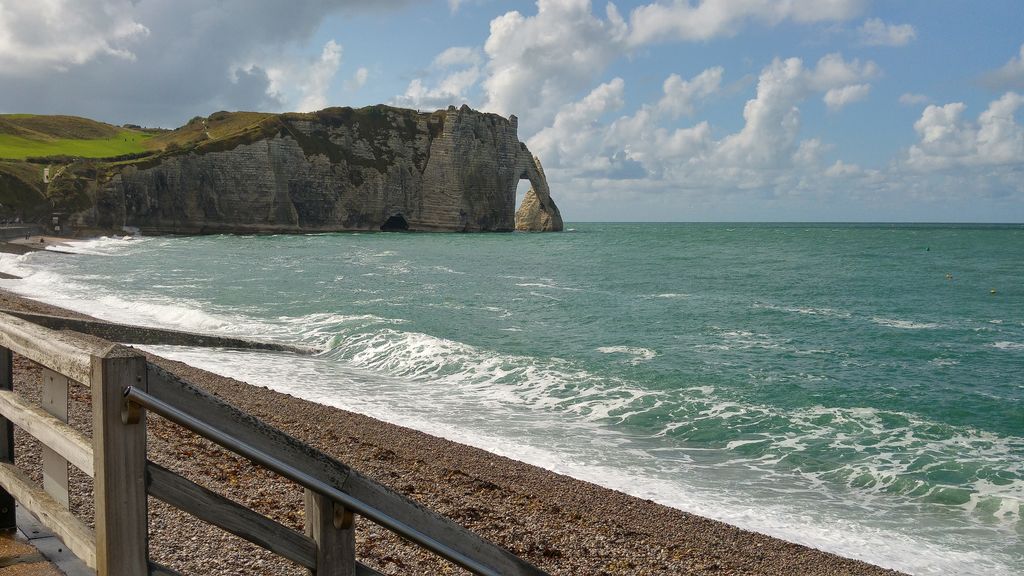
[{"x": 857, "y": 388}]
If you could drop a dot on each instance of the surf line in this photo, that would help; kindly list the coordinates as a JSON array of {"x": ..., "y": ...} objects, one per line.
[{"x": 132, "y": 334}]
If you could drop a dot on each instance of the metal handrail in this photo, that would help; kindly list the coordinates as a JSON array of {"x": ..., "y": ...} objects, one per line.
[{"x": 303, "y": 479}]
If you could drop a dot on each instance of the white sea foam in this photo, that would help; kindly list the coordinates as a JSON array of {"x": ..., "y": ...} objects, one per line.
[
  {"x": 546, "y": 285},
  {"x": 806, "y": 310},
  {"x": 561, "y": 415},
  {"x": 905, "y": 324},
  {"x": 1008, "y": 345},
  {"x": 99, "y": 246},
  {"x": 638, "y": 354},
  {"x": 532, "y": 397}
]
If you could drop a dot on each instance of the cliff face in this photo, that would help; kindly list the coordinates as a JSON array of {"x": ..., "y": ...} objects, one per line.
[{"x": 338, "y": 169}]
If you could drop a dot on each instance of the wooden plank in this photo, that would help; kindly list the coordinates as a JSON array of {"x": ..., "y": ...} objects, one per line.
[
  {"x": 54, "y": 400},
  {"x": 230, "y": 516},
  {"x": 75, "y": 534},
  {"x": 119, "y": 454},
  {"x": 63, "y": 352},
  {"x": 208, "y": 408},
  {"x": 334, "y": 532},
  {"x": 63, "y": 439},
  {"x": 8, "y": 513}
]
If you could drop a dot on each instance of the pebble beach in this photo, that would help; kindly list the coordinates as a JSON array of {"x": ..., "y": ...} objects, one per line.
[{"x": 563, "y": 525}]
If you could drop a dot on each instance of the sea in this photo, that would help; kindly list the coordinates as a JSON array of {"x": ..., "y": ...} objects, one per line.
[{"x": 858, "y": 388}]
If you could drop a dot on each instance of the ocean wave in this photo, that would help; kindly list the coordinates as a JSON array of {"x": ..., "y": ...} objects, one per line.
[
  {"x": 1008, "y": 345},
  {"x": 806, "y": 310},
  {"x": 638, "y": 354},
  {"x": 905, "y": 324},
  {"x": 102, "y": 246},
  {"x": 546, "y": 285}
]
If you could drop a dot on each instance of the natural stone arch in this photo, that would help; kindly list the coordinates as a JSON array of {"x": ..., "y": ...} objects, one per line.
[{"x": 538, "y": 212}]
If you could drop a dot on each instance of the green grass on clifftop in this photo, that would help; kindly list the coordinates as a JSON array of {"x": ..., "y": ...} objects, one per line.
[{"x": 26, "y": 135}]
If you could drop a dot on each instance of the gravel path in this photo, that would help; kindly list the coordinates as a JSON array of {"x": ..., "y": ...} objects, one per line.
[{"x": 563, "y": 525}]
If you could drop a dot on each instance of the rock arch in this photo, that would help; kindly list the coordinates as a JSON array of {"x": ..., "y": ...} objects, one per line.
[{"x": 538, "y": 212}]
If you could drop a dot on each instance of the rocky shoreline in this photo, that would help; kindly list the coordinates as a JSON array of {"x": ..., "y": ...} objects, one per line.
[{"x": 563, "y": 525}]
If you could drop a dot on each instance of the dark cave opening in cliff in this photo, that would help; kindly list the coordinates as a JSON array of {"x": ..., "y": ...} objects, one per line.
[{"x": 395, "y": 223}]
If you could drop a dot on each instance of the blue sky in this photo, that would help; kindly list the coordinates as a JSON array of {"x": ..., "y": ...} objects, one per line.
[{"x": 823, "y": 110}]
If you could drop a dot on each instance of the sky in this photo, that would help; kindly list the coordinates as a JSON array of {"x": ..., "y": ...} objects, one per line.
[{"x": 671, "y": 110}]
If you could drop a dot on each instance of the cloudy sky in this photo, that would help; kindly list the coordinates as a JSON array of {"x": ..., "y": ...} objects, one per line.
[{"x": 787, "y": 110}]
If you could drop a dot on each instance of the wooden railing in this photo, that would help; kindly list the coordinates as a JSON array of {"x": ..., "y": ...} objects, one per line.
[{"x": 124, "y": 386}]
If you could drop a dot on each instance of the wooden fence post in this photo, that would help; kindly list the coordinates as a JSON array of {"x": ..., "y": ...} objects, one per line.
[
  {"x": 54, "y": 399},
  {"x": 334, "y": 531},
  {"x": 119, "y": 455},
  {"x": 8, "y": 512}
]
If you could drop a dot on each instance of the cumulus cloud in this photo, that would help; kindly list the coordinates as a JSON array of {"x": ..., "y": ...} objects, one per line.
[
  {"x": 768, "y": 138},
  {"x": 456, "y": 70},
  {"x": 537, "y": 63},
  {"x": 681, "y": 96},
  {"x": 875, "y": 32},
  {"x": 837, "y": 98},
  {"x": 681, "y": 20},
  {"x": 315, "y": 80},
  {"x": 358, "y": 79},
  {"x": 1010, "y": 75},
  {"x": 576, "y": 134},
  {"x": 154, "y": 62},
  {"x": 54, "y": 35},
  {"x": 649, "y": 146},
  {"x": 911, "y": 99},
  {"x": 948, "y": 140}
]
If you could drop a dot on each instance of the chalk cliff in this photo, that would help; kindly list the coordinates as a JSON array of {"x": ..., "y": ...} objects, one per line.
[
  {"x": 337, "y": 169},
  {"x": 538, "y": 212}
]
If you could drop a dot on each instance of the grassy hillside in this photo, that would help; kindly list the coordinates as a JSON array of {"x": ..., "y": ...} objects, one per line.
[
  {"x": 26, "y": 135},
  {"x": 219, "y": 126}
]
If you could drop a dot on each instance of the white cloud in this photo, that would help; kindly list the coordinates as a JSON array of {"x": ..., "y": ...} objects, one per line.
[
  {"x": 911, "y": 99},
  {"x": 457, "y": 56},
  {"x": 537, "y": 63},
  {"x": 160, "y": 63},
  {"x": 317, "y": 78},
  {"x": 58, "y": 34},
  {"x": 1010, "y": 75},
  {"x": 301, "y": 84},
  {"x": 358, "y": 80},
  {"x": 809, "y": 153},
  {"x": 575, "y": 133},
  {"x": 457, "y": 71},
  {"x": 841, "y": 169},
  {"x": 680, "y": 20},
  {"x": 837, "y": 98},
  {"x": 681, "y": 95},
  {"x": 769, "y": 137},
  {"x": 654, "y": 156},
  {"x": 948, "y": 140},
  {"x": 875, "y": 32}
]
